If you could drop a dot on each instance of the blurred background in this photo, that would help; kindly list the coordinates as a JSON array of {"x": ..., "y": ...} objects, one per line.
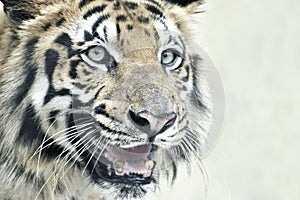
[{"x": 255, "y": 46}]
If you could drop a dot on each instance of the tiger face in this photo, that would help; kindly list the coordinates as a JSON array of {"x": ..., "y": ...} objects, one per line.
[{"x": 109, "y": 90}]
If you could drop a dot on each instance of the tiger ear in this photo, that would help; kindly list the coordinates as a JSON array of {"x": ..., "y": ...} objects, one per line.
[
  {"x": 186, "y": 3},
  {"x": 189, "y": 7},
  {"x": 19, "y": 10},
  {"x": 185, "y": 14}
]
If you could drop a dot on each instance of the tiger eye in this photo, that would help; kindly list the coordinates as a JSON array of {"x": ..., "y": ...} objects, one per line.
[
  {"x": 167, "y": 57},
  {"x": 96, "y": 54}
]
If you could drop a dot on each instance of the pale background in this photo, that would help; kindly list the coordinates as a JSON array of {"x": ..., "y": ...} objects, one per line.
[{"x": 255, "y": 46}]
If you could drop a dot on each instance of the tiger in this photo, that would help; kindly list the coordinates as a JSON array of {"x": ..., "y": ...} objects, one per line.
[{"x": 100, "y": 99}]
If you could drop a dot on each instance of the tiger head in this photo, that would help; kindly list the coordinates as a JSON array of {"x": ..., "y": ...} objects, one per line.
[{"x": 110, "y": 89}]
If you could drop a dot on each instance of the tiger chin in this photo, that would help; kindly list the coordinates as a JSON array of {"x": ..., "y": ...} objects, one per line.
[{"x": 100, "y": 99}]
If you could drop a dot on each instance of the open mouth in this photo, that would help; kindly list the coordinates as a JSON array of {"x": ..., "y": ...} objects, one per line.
[
  {"x": 114, "y": 164},
  {"x": 124, "y": 165}
]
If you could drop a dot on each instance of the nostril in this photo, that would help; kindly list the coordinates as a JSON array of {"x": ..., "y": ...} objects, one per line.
[
  {"x": 151, "y": 124},
  {"x": 169, "y": 123},
  {"x": 140, "y": 121}
]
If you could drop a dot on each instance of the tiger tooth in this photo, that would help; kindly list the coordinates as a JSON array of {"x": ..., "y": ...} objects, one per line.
[
  {"x": 159, "y": 149},
  {"x": 109, "y": 170},
  {"x": 119, "y": 166},
  {"x": 143, "y": 173},
  {"x": 149, "y": 164}
]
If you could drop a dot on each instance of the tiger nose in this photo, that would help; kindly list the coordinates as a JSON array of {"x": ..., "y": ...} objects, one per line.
[{"x": 150, "y": 124}]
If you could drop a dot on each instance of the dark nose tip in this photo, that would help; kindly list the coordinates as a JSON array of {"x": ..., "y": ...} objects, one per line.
[{"x": 150, "y": 124}]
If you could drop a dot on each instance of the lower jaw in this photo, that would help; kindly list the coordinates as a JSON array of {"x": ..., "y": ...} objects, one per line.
[{"x": 99, "y": 172}]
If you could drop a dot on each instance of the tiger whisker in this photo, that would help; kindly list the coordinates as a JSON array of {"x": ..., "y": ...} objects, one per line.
[
  {"x": 75, "y": 145},
  {"x": 100, "y": 154},
  {"x": 83, "y": 140},
  {"x": 200, "y": 164},
  {"x": 65, "y": 161},
  {"x": 92, "y": 155},
  {"x": 83, "y": 148},
  {"x": 65, "y": 131},
  {"x": 75, "y": 158},
  {"x": 40, "y": 153},
  {"x": 66, "y": 135}
]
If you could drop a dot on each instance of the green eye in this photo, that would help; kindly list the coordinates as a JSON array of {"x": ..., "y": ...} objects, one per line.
[
  {"x": 96, "y": 54},
  {"x": 171, "y": 59},
  {"x": 168, "y": 57}
]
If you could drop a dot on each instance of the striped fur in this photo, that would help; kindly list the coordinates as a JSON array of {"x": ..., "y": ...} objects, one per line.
[{"x": 52, "y": 95}]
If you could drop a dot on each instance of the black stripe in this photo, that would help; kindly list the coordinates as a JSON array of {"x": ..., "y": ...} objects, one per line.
[
  {"x": 52, "y": 116},
  {"x": 97, "y": 9},
  {"x": 122, "y": 18},
  {"x": 60, "y": 22},
  {"x": 84, "y": 3},
  {"x": 97, "y": 93},
  {"x": 18, "y": 14},
  {"x": 29, "y": 72},
  {"x": 80, "y": 43},
  {"x": 101, "y": 110},
  {"x": 73, "y": 70},
  {"x": 51, "y": 61},
  {"x": 105, "y": 33},
  {"x": 186, "y": 78},
  {"x": 129, "y": 27},
  {"x": 72, "y": 130},
  {"x": 25, "y": 87},
  {"x": 88, "y": 36},
  {"x": 154, "y": 2},
  {"x": 65, "y": 40},
  {"x": 131, "y": 5},
  {"x": 99, "y": 21},
  {"x": 88, "y": 89},
  {"x": 30, "y": 131},
  {"x": 118, "y": 31},
  {"x": 182, "y": 3},
  {"x": 154, "y": 10},
  {"x": 142, "y": 19},
  {"x": 46, "y": 26},
  {"x": 174, "y": 170},
  {"x": 52, "y": 150},
  {"x": 86, "y": 72},
  {"x": 80, "y": 86},
  {"x": 163, "y": 23},
  {"x": 96, "y": 35},
  {"x": 105, "y": 128},
  {"x": 51, "y": 93},
  {"x": 117, "y": 5}
]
